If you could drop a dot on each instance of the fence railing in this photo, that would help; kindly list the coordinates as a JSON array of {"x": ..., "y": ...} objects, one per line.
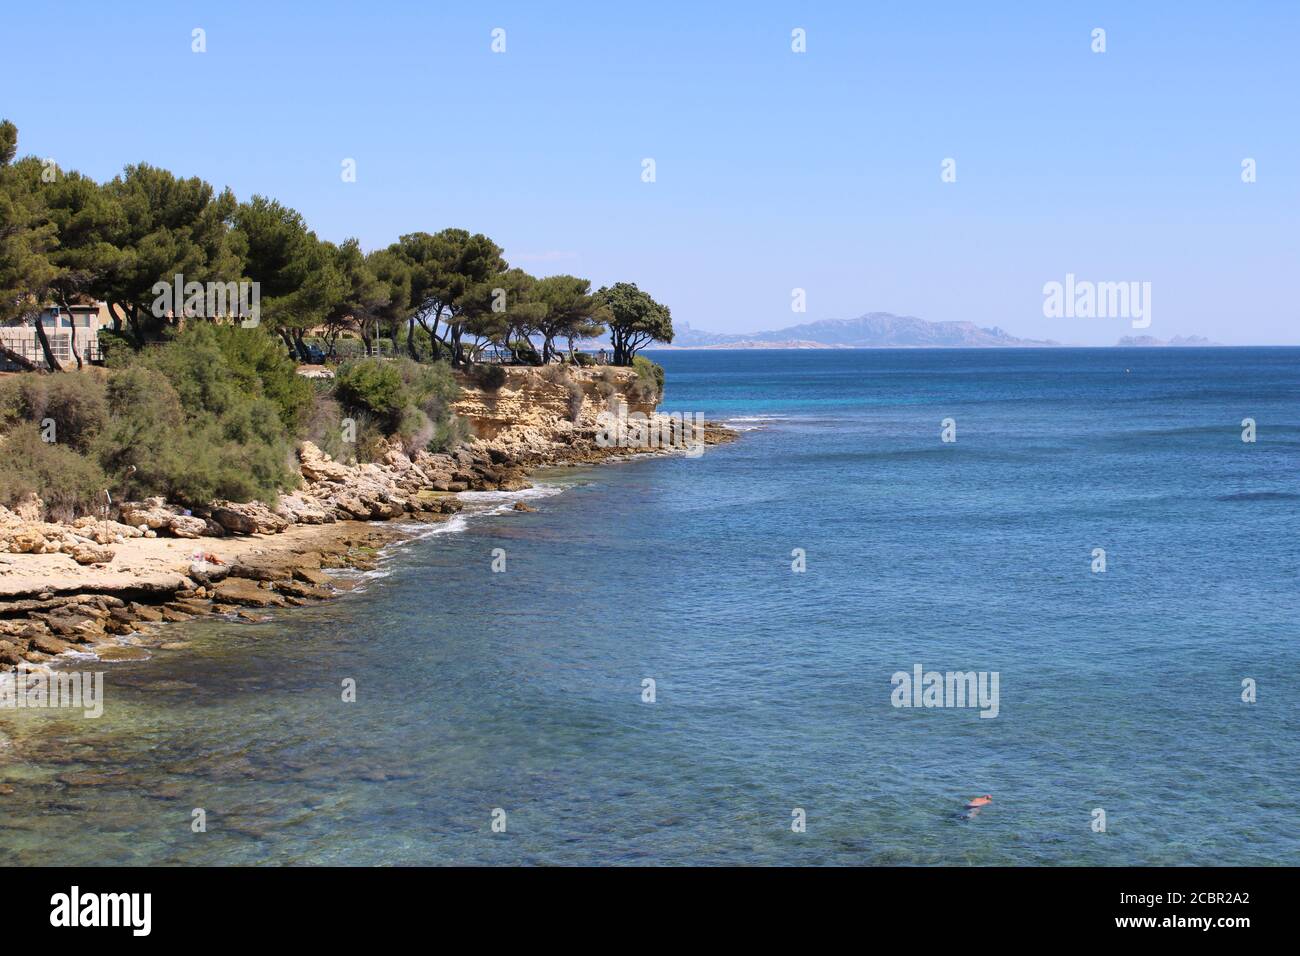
[
  {"x": 28, "y": 346},
  {"x": 355, "y": 348}
]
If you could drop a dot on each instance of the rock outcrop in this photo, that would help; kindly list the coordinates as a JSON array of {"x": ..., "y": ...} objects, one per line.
[{"x": 553, "y": 415}]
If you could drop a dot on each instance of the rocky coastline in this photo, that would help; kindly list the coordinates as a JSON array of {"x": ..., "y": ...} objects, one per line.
[{"x": 104, "y": 585}]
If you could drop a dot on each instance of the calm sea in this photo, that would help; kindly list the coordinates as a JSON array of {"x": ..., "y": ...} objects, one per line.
[{"x": 525, "y": 691}]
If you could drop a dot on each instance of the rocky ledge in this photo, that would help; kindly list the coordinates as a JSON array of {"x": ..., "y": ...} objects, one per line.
[{"x": 113, "y": 625}]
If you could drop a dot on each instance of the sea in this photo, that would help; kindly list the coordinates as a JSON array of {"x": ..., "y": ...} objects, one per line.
[{"x": 714, "y": 659}]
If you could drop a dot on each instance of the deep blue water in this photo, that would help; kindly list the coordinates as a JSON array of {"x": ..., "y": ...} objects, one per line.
[{"x": 523, "y": 690}]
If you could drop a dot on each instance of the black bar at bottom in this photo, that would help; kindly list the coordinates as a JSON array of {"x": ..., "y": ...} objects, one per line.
[{"x": 334, "y": 905}]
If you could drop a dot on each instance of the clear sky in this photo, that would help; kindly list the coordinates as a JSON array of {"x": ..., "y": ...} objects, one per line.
[{"x": 774, "y": 170}]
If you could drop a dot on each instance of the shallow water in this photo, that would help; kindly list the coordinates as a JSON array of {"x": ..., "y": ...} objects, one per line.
[{"x": 522, "y": 690}]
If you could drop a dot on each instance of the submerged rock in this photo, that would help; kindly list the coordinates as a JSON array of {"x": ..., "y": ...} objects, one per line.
[{"x": 121, "y": 652}]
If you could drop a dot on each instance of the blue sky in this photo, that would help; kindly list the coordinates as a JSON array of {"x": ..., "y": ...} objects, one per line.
[{"x": 774, "y": 170}]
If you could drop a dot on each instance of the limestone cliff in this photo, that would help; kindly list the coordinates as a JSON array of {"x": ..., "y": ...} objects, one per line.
[{"x": 538, "y": 409}]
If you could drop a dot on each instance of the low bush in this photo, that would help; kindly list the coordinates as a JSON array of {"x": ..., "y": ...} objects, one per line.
[
  {"x": 69, "y": 483},
  {"x": 526, "y": 351},
  {"x": 404, "y": 399},
  {"x": 372, "y": 385},
  {"x": 490, "y": 378},
  {"x": 415, "y": 430},
  {"x": 157, "y": 445},
  {"x": 576, "y": 398},
  {"x": 649, "y": 384},
  {"x": 431, "y": 388},
  {"x": 449, "y": 434},
  {"x": 323, "y": 424},
  {"x": 556, "y": 374},
  {"x": 220, "y": 367},
  {"x": 73, "y": 404}
]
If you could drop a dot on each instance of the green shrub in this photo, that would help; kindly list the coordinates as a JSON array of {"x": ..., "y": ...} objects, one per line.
[
  {"x": 218, "y": 443},
  {"x": 362, "y": 441},
  {"x": 211, "y": 413},
  {"x": 74, "y": 402},
  {"x": 432, "y": 388},
  {"x": 242, "y": 455},
  {"x": 372, "y": 385},
  {"x": 407, "y": 400},
  {"x": 585, "y": 359},
  {"x": 118, "y": 350},
  {"x": 220, "y": 367},
  {"x": 526, "y": 351},
  {"x": 69, "y": 483},
  {"x": 137, "y": 446},
  {"x": 650, "y": 377},
  {"x": 415, "y": 430},
  {"x": 258, "y": 361},
  {"x": 369, "y": 444},
  {"x": 449, "y": 434}
]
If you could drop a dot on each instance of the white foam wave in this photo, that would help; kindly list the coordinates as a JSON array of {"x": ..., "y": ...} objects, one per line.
[
  {"x": 537, "y": 491},
  {"x": 502, "y": 502},
  {"x": 750, "y": 423},
  {"x": 419, "y": 531}
]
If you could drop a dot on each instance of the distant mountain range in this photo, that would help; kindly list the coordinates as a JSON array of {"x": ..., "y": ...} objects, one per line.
[
  {"x": 877, "y": 330},
  {"x": 873, "y": 330}
]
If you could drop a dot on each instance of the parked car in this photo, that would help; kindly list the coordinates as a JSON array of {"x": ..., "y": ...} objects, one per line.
[{"x": 311, "y": 355}]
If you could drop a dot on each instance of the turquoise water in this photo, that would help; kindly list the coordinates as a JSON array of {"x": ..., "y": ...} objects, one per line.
[{"x": 522, "y": 690}]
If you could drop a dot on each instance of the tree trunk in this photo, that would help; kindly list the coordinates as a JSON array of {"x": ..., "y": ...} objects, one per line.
[
  {"x": 137, "y": 332},
  {"x": 44, "y": 339},
  {"x": 18, "y": 359},
  {"x": 72, "y": 344},
  {"x": 410, "y": 339},
  {"x": 457, "y": 350},
  {"x": 72, "y": 335}
]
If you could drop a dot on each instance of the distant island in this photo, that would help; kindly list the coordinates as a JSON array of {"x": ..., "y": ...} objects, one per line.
[{"x": 875, "y": 330}]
